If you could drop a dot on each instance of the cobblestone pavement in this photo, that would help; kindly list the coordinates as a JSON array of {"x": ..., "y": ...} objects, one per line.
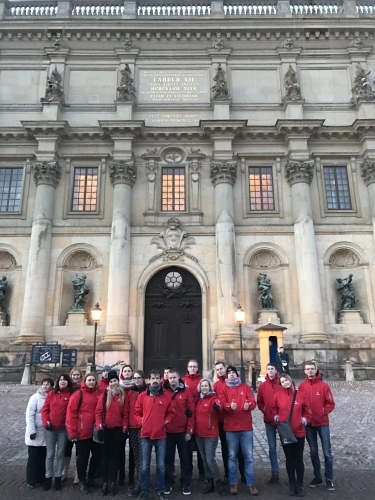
[{"x": 353, "y": 446}]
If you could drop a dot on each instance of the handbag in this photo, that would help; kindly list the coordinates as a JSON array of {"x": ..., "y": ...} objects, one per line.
[
  {"x": 284, "y": 429},
  {"x": 96, "y": 437}
]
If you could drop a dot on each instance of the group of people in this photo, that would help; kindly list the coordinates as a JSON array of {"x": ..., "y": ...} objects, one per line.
[{"x": 170, "y": 412}]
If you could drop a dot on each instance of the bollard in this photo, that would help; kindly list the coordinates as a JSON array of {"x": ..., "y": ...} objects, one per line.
[
  {"x": 26, "y": 377},
  {"x": 88, "y": 368},
  {"x": 349, "y": 374}
]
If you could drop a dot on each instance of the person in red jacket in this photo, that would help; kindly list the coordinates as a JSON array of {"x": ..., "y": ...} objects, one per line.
[
  {"x": 111, "y": 418},
  {"x": 53, "y": 418},
  {"x": 103, "y": 384},
  {"x": 207, "y": 412},
  {"x": 127, "y": 383},
  {"x": 80, "y": 420},
  {"x": 319, "y": 395},
  {"x": 153, "y": 411},
  {"x": 238, "y": 403},
  {"x": 179, "y": 431},
  {"x": 301, "y": 417},
  {"x": 266, "y": 393}
]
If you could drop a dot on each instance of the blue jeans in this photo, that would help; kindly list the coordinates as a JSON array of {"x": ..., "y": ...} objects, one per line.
[
  {"x": 146, "y": 446},
  {"x": 56, "y": 443},
  {"x": 312, "y": 438},
  {"x": 272, "y": 453},
  {"x": 234, "y": 441}
]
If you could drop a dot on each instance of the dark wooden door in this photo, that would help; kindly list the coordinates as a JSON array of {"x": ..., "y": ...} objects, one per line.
[{"x": 173, "y": 320}]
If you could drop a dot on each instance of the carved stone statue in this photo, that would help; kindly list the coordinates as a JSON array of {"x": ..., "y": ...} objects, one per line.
[
  {"x": 265, "y": 286},
  {"x": 54, "y": 91},
  {"x": 80, "y": 292},
  {"x": 3, "y": 287},
  {"x": 346, "y": 289},
  {"x": 126, "y": 89},
  {"x": 293, "y": 89},
  {"x": 362, "y": 89},
  {"x": 173, "y": 242},
  {"x": 220, "y": 90}
]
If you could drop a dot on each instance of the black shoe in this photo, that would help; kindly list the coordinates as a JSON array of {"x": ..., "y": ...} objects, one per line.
[
  {"x": 186, "y": 490},
  {"x": 84, "y": 488},
  {"x": 292, "y": 489},
  {"x": 221, "y": 488},
  {"x": 330, "y": 486},
  {"x": 114, "y": 489},
  {"x": 210, "y": 486},
  {"x": 300, "y": 492},
  {"x": 143, "y": 495},
  {"x": 315, "y": 482},
  {"x": 57, "y": 484},
  {"x": 274, "y": 479},
  {"x": 161, "y": 495},
  {"x": 47, "y": 484},
  {"x": 105, "y": 489},
  {"x": 93, "y": 484},
  {"x": 31, "y": 486},
  {"x": 168, "y": 490},
  {"x": 135, "y": 492}
]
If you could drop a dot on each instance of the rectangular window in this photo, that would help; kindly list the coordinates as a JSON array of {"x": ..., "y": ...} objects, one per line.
[
  {"x": 10, "y": 189},
  {"x": 261, "y": 188},
  {"x": 337, "y": 188},
  {"x": 85, "y": 189},
  {"x": 173, "y": 188}
]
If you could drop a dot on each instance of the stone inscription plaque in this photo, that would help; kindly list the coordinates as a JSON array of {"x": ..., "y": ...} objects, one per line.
[
  {"x": 177, "y": 119},
  {"x": 173, "y": 86}
]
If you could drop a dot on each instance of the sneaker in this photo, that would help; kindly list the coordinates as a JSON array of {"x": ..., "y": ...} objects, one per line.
[
  {"x": 330, "y": 486},
  {"x": 167, "y": 490},
  {"x": 161, "y": 495},
  {"x": 143, "y": 495},
  {"x": 253, "y": 491},
  {"x": 186, "y": 490},
  {"x": 233, "y": 489},
  {"x": 315, "y": 482}
]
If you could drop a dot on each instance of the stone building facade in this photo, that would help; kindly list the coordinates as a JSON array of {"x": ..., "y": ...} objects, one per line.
[{"x": 172, "y": 152}]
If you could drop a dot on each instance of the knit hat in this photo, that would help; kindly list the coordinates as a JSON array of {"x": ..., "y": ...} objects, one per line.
[
  {"x": 107, "y": 368},
  {"x": 111, "y": 375},
  {"x": 232, "y": 369}
]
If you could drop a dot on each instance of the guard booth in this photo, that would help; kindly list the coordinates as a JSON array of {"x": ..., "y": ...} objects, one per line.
[{"x": 270, "y": 338}]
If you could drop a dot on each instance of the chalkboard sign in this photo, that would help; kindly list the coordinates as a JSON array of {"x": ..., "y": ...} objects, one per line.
[
  {"x": 69, "y": 358},
  {"x": 47, "y": 353}
]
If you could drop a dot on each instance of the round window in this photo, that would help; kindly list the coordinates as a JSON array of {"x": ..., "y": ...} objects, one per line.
[{"x": 173, "y": 280}]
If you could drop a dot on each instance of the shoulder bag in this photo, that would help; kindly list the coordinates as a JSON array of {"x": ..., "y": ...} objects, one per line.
[
  {"x": 284, "y": 429},
  {"x": 97, "y": 435}
]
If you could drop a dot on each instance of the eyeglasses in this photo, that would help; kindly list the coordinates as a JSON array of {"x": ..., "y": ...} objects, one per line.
[{"x": 137, "y": 378}]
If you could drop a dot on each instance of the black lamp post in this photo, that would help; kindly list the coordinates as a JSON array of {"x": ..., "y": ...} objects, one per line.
[
  {"x": 96, "y": 313},
  {"x": 240, "y": 318}
]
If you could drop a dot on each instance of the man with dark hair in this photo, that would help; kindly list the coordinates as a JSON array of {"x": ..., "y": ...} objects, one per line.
[
  {"x": 153, "y": 412},
  {"x": 319, "y": 395},
  {"x": 165, "y": 376},
  {"x": 179, "y": 431},
  {"x": 283, "y": 360},
  {"x": 266, "y": 393}
]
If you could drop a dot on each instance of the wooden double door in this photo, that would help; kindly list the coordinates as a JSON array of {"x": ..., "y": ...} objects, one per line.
[{"x": 173, "y": 320}]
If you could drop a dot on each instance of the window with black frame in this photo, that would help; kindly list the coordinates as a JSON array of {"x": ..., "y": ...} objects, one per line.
[
  {"x": 337, "y": 188},
  {"x": 85, "y": 189},
  {"x": 173, "y": 189},
  {"x": 10, "y": 189},
  {"x": 261, "y": 189}
]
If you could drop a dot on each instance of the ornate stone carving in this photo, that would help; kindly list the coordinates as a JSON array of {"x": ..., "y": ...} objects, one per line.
[
  {"x": 288, "y": 43},
  {"x": 54, "y": 91},
  {"x": 173, "y": 156},
  {"x": 362, "y": 89},
  {"x": 218, "y": 43},
  {"x": 223, "y": 171},
  {"x": 7, "y": 261},
  {"x": 81, "y": 260},
  {"x": 126, "y": 89},
  {"x": 173, "y": 242},
  {"x": 122, "y": 172},
  {"x": 299, "y": 171},
  {"x": 358, "y": 42},
  {"x": 127, "y": 44},
  {"x": 344, "y": 257},
  {"x": 368, "y": 171},
  {"x": 293, "y": 90},
  {"x": 220, "y": 90},
  {"x": 265, "y": 259},
  {"x": 46, "y": 172},
  {"x": 57, "y": 41}
]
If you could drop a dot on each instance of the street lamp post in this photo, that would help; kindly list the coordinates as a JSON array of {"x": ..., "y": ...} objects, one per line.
[
  {"x": 96, "y": 313},
  {"x": 240, "y": 317}
]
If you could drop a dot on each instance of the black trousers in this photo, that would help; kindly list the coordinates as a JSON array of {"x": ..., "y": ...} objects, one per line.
[
  {"x": 135, "y": 444},
  {"x": 122, "y": 460},
  {"x": 111, "y": 451},
  {"x": 224, "y": 453},
  {"x": 36, "y": 465},
  {"x": 183, "y": 447},
  {"x": 294, "y": 460},
  {"x": 84, "y": 447},
  {"x": 69, "y": 448}
]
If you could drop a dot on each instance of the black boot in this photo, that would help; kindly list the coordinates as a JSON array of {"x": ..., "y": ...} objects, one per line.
[
  {"x": 93, "y": 484},
  {"x": 210, "y": 486},
  {"x": 135, "y": 492},
  {"x": 105, "y": 489},
  {"x": 84, "y": 488},
  {"x": 292, "y": 488},
  {"x": 47, "y": 484},
  {"x": 300, "y": 492},
  {"x": 274, "y": 479},
  {"x": 221, "y": 489},
  {"x": 57, "y": 484},
  {"x": 113, "y": 488}
]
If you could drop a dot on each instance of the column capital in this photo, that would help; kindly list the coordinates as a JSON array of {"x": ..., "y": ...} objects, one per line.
[
  {"x": 223, "y": 172},
  {"x": 299, "y": 171},
  {"x": 368, "y": 171},
  {"x": 46, "y": 172},
  {"x": 122, "y": 172}
]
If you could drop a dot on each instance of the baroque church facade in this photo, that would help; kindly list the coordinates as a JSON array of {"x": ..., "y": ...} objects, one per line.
[{"x": 177, "y": 155}]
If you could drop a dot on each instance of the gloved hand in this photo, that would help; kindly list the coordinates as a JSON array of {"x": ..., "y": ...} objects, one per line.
[
  {"x": 33, "y": 436},
  {"x": 217, "y": 407},
  {"x": 101, "y": 435},
  {"x": 276, "y": 418},
  {"x": 49, "y": 426},
  {"x": 304, "y": 421},
  {"x": 188, "y": 413}
]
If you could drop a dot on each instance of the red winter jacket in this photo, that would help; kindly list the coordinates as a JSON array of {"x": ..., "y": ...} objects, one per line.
[
  {"x": 206, "y": 418},
  {"x": 132, "y": 397},
  {"x": 266, "y": 394},
  {"x": 116, "y": 415},
  {"x": 191, "y": 383},
  {"x": 281, "y": 407},
  {"x": 239, "y": 419},
  {"x": 182, "y": 403},
  {"x": 153, "y": 413},
  {"x": 219, "y": 386},
  {"x": 319, "y": 395},
  {"x": 54, "y": 408},
  {"x": 103, "y": 385},
  {"x": 80, "y": 417}
]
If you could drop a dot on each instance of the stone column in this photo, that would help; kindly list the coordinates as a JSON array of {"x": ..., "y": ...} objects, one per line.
[
  {"x": 123, "y": 175},
  {"x": 368, "y": 176},
  {"x": 299, "y": 174},
  {"x": 46, "y": 176}
]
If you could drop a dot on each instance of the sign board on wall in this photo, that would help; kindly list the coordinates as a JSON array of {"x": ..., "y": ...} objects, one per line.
[{"x": 44, "y": 354}]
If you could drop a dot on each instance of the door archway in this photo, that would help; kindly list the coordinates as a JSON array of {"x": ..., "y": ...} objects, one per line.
[{"x": 173, "y": 320}]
